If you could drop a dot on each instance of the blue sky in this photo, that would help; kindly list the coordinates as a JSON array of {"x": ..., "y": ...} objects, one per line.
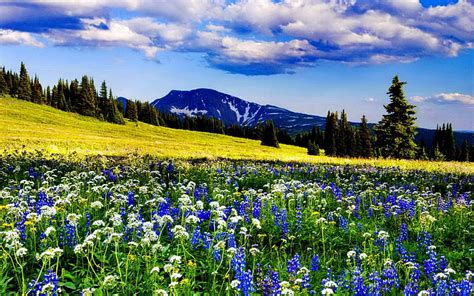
[{"x": 307, "y": 55}]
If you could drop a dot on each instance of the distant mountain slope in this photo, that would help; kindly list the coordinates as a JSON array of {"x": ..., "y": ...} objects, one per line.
[{"x": 233, "y": 110}]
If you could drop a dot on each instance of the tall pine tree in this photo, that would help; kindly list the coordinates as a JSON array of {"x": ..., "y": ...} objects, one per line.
[
  {"x": 365, "y": 139},
  {"x": 4, "y": 89},
  {"x": 269, "y": 135},
  {"x": 86, "y": 104},
  {"x": 24, "y": 87},
  {"x": 131, "y": 112},
  {"x": 396, "y": 131},
  {"x": 330, "y": 134}
]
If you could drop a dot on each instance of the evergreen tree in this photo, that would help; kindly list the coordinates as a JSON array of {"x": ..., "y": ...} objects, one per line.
[
  {"x": 86, "y": 102},
  {"x": 48, "y": 96},
  {"x": 112, "y": 112},
  {"x": 396, "y": 131},
  {"x": 450, "y": 146},
  {"x": 24, "y": 87},
  {"x": 464, "y": 155},
  {"x": 74, "y": 95},
  {"x": 4, "y": 89},
  {"x": 61, "y": 97},
  {"x": 36, "y": 91},
  {"x": 438, "y": 155},
  {"x": 269, "y": 135},
  {"x": 365, "y": 139},
  {"x": 343, "y": 136},
  {"x": 103, "y": 105},
  {"x": 313, "y": 149},
  {"x": 330, "y": 134},
  {"x": 132, "y": 111}
]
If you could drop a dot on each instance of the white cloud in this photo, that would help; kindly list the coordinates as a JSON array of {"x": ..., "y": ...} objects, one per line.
[
  {"x": 10, "y": 37},
  {"x": 285, "y": 34},
  {"x": 446, "y": 98},
  {"x": 103, "y": 33}
]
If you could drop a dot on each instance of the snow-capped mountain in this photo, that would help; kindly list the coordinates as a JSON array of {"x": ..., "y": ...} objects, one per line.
[{"x": 233, "y": 110}]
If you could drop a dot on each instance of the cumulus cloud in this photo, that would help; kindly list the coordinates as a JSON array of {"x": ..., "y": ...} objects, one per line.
[
  {"x": 10, "y": 37},
  {"x": 446, "y": 98},
  {"x": 253, "y": 37}
]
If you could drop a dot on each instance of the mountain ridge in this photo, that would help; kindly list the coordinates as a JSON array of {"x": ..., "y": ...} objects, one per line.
[{"x": 234, "y": 110}]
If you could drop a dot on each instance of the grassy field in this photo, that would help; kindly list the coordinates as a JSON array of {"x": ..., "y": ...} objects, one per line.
[{"x": 27, "y": 126}]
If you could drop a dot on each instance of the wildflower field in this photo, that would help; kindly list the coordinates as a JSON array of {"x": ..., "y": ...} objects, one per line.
[{"x": 142, "y": 226}]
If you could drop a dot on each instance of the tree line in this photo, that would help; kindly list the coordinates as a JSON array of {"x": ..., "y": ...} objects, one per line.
[
  {"x": 80, "y": 97},
  {"x": 392, "y": 137}
]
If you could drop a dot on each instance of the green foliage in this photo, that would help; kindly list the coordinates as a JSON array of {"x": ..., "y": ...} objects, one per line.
[
  {"x": 4, "y": 89},
  {"x": 365, "y": 139},
  {"x": 131, "y": 112},
  {"x": 269, "y": 135},
  {"x": 141, "y": 225},
  {"x": 396, "y": 131},
  {"x": 24, "y": 87},
  {"x": 330, "y": 134},
  {"x": 313, "y": 149},
  {"x": 86, "y": 104}
]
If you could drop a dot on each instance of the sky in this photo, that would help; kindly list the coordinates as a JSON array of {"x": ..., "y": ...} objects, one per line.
[{"x": 309, "y": 56}]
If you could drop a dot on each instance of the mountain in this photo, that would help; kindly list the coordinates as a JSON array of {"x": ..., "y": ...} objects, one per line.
[{"x": 233, "y": 110}]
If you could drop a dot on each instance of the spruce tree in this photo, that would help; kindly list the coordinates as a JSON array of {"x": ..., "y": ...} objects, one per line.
[
  {"x": 86, "y": 101},
  {"x": 450, "y": 146},
  {"x": 62, "y": 103},
  {"x": 330, "y": 134},
  {"x": 36, "y": 91},
  {"x": 74, "y": 94},
  {"x": 132, "y": 111},
  {"x": 4, "y": 89},
  {"x": 113, "y": 113},
  {"x": 464, "y": 156},
  {"x": 103, "y": 105},
  {"x": 365, "y": 139},
  {"x": 24, "y": 87},
  {"x": 269, "y": 135},
  {"x": 396, "y": 131},
  {"x": 313, "y": 149}
]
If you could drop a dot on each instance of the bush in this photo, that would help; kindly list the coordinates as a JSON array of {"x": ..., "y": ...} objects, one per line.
[{"x": 313, "y": 149}]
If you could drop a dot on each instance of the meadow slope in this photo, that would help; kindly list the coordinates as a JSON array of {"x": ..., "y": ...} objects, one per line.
[{"x": 28, "y": 126}]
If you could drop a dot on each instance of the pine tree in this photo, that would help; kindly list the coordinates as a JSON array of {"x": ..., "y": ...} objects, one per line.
[
  {"x": 113, "y": 114},
  {"x": 132, "y": 111},
  {"x": 343, "y": 136},
  {"x": 103, "y": 105},
  {"x": 36, "y": 91},
  {"x": 24, "y": 87},
  {"x": 464, "y": 155},
  {"x": 48, "y": 96},
  {"x": 4, "y": 89},
  {"x": 61, "y": 103},
  {"x": 330, "y": 134},
  {"x": 365, "y": 139},
  {"x": 313, "y": 149},
  {"x": 86, "y": 102},
  {"x": 450, "y": 146},
  {"x": 438, "y": 155},
  {"x": 74, "y": 95},
  {"x": 396, "y": 131},
  {"x": 269, "y": 135}
]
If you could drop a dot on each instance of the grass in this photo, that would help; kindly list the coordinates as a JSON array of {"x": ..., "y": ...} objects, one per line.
[{"x": 28, "y": 126}]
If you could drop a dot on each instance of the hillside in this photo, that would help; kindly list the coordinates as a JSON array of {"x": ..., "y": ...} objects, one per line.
[{"x": 25, "y": 125}]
